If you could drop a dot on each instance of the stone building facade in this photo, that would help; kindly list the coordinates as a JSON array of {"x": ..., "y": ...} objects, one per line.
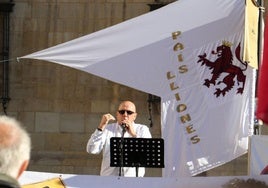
[{"x": 61, "y": 106}]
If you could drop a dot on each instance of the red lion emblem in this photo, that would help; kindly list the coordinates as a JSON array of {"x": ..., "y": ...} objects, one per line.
[{"x": 223, "y": 64}]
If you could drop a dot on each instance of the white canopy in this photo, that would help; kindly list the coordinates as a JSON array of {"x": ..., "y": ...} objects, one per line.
[{"x": 207, "y": 97}]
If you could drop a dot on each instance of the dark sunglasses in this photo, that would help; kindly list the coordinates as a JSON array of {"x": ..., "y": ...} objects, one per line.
[{"x": 122, "y": 112}]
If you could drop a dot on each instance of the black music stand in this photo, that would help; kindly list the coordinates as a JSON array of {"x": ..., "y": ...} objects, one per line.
[{"x": 136, "y": 152}]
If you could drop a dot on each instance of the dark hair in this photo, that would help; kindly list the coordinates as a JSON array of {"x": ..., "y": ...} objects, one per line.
[{"x": 242, "y": 183}]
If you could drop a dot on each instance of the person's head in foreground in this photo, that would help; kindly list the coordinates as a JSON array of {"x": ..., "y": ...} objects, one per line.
[
  {"x": 15, "y": 148},
  {"x": 242, "y": 183}
]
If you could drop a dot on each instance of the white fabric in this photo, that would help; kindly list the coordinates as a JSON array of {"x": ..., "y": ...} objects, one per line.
[
  {"x": 201, "y": 130},
  {"x": 100, "y": 141},
  {"x": 86, "y": 181},
  {"x": 258, "y": 154}
]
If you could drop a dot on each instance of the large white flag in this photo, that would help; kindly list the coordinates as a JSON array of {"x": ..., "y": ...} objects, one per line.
[{"x": 189, "y": 54}]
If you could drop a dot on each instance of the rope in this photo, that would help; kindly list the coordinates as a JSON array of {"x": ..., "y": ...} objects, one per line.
[{"x": 13, "y": 59}]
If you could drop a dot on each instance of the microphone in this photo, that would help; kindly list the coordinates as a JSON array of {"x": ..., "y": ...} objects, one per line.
[{"x": 124, "y": 127}]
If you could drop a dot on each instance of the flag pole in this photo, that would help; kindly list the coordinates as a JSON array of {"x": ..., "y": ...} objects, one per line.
[
  {"x": 261, "y": 30},
  {"x": 260, "y": 4}
]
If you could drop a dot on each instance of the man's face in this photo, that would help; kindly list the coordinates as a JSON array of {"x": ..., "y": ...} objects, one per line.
[{"x": 126, "y": 113}]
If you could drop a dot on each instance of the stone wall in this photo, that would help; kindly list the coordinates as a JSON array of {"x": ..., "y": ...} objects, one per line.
[{"x": 61, "y": 106}]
